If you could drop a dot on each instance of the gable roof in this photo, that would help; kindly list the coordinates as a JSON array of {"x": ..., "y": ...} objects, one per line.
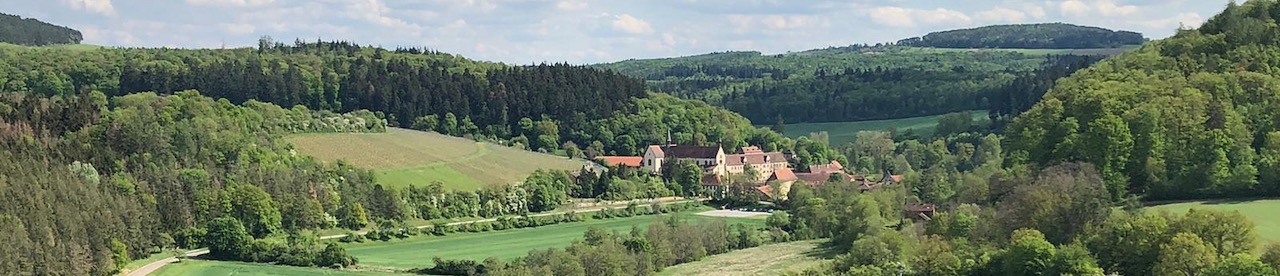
[
  {"x": 783, "y": 175},
  {"x": 625, "y": 161},
  {"x": 698, "y": 152},
  {"x": 755, "y": 158},
  {"x": 657, "y": 151},
  {"x": 834, "y": 166}
]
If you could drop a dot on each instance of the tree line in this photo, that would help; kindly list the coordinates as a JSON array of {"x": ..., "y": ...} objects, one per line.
[
  {"x": 858, "y": 82},
  {"x": 31, "y": 32},
  {"x": 1028, "y": 36}
]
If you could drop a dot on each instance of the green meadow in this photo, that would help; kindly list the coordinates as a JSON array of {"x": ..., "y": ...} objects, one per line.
[
  {"x": 402, "y": 157},
  {"x": 417, "y": 251}
]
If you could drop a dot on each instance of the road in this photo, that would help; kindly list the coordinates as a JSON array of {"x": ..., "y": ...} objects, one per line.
[{"x": 152, "y": 267}]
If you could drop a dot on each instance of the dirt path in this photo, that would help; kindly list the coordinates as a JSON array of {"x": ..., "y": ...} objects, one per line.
[{"x": 152, "y": 267}]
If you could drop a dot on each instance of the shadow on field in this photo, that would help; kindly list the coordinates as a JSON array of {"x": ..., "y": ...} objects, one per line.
[{"x": 825, "y": 250}]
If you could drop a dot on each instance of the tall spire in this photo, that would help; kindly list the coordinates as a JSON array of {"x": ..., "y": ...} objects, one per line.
[{"x": 669, "y": 142}]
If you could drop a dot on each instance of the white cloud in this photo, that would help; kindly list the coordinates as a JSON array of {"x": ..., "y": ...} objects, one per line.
[
  {"x": 1187, "y": 19},
  {"x": 99, "y": 6},
  {"x": 631, "y": 25},
  {"x": 892, "y": 16},
  {"x": 231, "y": 3},
  {"x": 571, "y": 5},
  {"x": 374, "y": 11},
  {"x": 1001, "y": 14},
  {"x": 905, "y": 17},
  {"x": 751, "y": 23},
  {"x": 1074, "y": 8},
  {"x": 1110, "y": 8},
  {"x": 238, "y": 28},
  {"x": 1107, "y": 8}
]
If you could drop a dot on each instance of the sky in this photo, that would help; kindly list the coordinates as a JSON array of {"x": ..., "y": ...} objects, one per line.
[{"x": 582, "y": 31}]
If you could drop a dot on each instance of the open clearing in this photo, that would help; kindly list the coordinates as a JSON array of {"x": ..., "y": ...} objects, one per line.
[
  {"x": 222, "y": 268},
  {"x": 1262, "y": 212},
  {"x": 733, "y": 214},
  {"x": 403, "y": 157},
  {"x": 842, "y": 133},
  {"x": 417, "y": 251},
  {"x": 770, "y": 259}
]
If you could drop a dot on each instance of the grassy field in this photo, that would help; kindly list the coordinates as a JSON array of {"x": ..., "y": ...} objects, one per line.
[
  {"x": 1263, "y": 212},
  {"x": 221, "y": 268},
  {"x": 845, "y": 132},
  {"x": 74, "y": 47},
  {"x": 417, "y": 251},
  {"x": 404, "y": 157},
  {"x": 771, "y": 259}
]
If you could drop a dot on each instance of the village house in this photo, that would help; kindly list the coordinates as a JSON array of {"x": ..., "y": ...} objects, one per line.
[{"x": 763, "y": 163}]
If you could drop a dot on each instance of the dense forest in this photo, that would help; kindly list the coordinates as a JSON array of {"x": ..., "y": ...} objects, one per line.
[
  {"x": 1027, "y": 36},
  {"x": 89, "y": 181},
  {"x": 408, "y": 86},
  {"x": 857, "y": 82},
  {"x": 31, "y": 32},
  {"x": 1193, "y": 116}
]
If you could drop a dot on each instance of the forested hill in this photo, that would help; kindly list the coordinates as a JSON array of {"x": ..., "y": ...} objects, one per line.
[
  {"x": 1027, "y": 36},
  {"x": 31, "y": 32},
  {"x": 858, "y": 82},
  {"x": 542, "y": 107},
  {"x": 1193, "y": 116}
]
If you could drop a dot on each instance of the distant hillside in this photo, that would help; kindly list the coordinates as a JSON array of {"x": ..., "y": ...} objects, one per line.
[
  {"x": 1027, "y": 36},
  {"x": 857, "y": 82},
  {"x": 31, "y": 32}
]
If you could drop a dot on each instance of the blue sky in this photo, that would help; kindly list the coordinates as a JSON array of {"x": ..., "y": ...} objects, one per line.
[{"x": 582, "y": 31}]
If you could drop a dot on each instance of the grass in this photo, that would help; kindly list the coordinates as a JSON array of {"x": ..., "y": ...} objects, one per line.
[
  {"x": 402, "y": 157},
  {"x": 770, "y": 259},
  {"x": 417, "y": 251},
  {"x": 72, "y": 47},
  {"x": 842, "y": 133},
  {"x": 220, "y": 268},
  {"x": 1262, "y": 212}
]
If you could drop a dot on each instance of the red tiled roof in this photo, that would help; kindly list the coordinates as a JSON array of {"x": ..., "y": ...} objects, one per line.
[
  {"x": 766, "y": 190},
  {"x": 625, "y": 161},
  {"x": 755, "y": 158},
  {"x": 657, "y": 151},
  {"x": 820, "y": 179},
  {"x": 783, "y": 175},
  {"x": 752, "y": 149},
  {"x": 834, "y": 166},
  {"x": 896, "y": 178}
]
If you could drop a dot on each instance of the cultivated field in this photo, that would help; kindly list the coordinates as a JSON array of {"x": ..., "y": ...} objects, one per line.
[
  {"x": 404, "y": 157},
  {"x": 417, "y": 251},
  {"x": 771, "y": 259},
  {"x": 221, "y": 268},
  {"x": 845, "y": 132},
  {"x": 1263, "y": 213}
]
